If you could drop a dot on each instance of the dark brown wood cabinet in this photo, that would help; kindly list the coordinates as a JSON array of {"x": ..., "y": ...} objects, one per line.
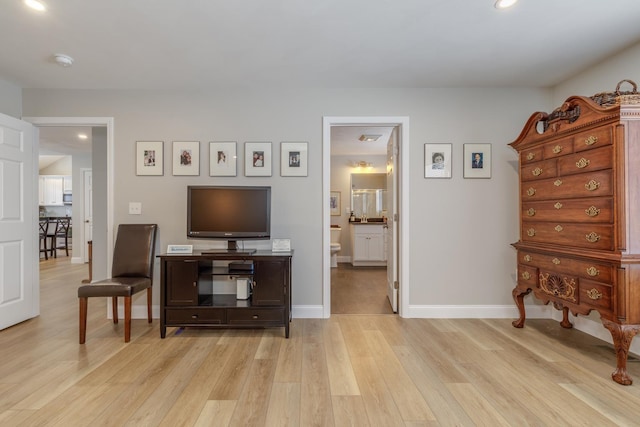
[
  {"x": 198, "y": 290},
  {"x": 579, "y": 246}
]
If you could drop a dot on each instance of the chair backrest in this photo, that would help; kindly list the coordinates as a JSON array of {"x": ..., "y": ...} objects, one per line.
[
  {"x": 44, "y": 227},
  {"x": 62, "y": 226},
  {"x": 133, "y": 255}
]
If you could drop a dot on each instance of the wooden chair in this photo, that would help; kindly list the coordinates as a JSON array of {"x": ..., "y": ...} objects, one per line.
[
  {"x": 131, "y": 272},
  {"x": 63, "y": 225},
  {"x": 44, "y": 236}
]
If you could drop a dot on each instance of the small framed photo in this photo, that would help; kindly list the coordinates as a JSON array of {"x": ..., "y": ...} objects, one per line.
[
  {"x": 257, "y": 159},
  {"x": 186, "y": 158},
  {"x": 149, "y": 158},
  {"x": 437, "y": 160},
  {"x": 477, "y": 160},
  {"x": 223, "y": 159},
  {"x": 293, "y": 159},
  {"x": 334, "y": 203}
]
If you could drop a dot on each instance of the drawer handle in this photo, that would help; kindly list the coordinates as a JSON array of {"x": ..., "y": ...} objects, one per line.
[
  {"x": 557, "y": 149},
  {"x": 592, "y": 237},
  {"x": 194, "y": 316},
  {"x": 591, "y": 140},
  {"x": 582, "y": 163},
  {"x": 557, "y": 182},
  {"x": 527, "y": 258},
  {"x": 531, "y": 156},
  {"x": 531, "y": 232},
  {"x": 536, "y": 172},
  {"x": 531, "y": 192},
  {"x": 255, "y": 316},
  {"x": 558, "y": 205},
  {"x": 592, "y": 271},
  {"x": 592, "y": 185},
  {"x": 526, "y": 275},
  {"x": 592, "y": 211},
  {"x": 195, "y": 284},
  {"x": 558, "y": 228},
  {"x": 556, "y": 261},
  {"x": 594, "y": 294},
  {"x": 531, "y": 212}
]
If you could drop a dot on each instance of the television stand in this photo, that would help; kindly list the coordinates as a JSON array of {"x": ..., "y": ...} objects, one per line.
[{"x": 229, "y": 251}]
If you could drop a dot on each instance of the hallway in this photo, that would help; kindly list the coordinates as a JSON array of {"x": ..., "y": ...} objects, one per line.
[{"x": 359, "y": 290}]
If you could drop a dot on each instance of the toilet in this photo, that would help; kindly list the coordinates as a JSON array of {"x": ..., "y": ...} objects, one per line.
[{"x": 335, "y": 245}]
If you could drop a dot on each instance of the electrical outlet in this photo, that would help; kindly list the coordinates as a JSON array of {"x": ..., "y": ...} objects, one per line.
[{"x": 135, "y": 208}]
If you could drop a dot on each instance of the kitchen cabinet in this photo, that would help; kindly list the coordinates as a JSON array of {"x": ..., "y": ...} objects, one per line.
[
  {"x": 66, "y": 184},
  {"x": 368, "y": 244},
  {"x": 51, "y": 188}
]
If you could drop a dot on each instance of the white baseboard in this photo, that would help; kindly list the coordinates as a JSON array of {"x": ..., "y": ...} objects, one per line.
[
  {"x": 475, "y": 312},
  {"x": 76, "y": 260}
]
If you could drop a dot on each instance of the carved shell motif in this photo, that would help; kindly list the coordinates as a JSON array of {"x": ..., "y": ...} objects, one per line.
[{"x": 558, "y": 287}]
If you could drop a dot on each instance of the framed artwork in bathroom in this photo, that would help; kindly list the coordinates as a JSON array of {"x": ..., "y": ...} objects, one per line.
[
  {"x": 257, "y": 159},
  {"x": 334, "y": 203},
  {"x": 149, "y": 159},
  {"x": 293, "y": 159}
]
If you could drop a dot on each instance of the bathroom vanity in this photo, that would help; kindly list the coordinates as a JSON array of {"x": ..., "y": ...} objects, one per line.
[{"x": 368, "y": 243}]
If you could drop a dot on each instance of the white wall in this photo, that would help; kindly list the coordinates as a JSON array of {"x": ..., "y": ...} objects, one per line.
[
  {"x": 10, "y": 99},
  {"x": 64, "y": 166}
]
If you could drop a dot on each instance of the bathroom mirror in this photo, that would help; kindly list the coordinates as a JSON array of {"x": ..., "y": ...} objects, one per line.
[{"x": 369, "y": 194}]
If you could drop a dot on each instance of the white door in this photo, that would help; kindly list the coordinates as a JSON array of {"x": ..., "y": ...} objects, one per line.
[
  {"x": 392, "y": 221},
  {"x": 87, "y": 210},
  {"x": 19, "y": 256}
]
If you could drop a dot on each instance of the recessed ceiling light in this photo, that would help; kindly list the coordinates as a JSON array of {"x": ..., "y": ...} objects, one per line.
[
  {"x": 82, "y": 136},
  {"x": 503, "y": 4},
  {"x": 369, "y": 138},
  {"x": 35, "y": 4}
]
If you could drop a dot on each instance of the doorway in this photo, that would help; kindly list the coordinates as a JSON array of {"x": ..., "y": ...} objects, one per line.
[{"x": 401, "y": 126}]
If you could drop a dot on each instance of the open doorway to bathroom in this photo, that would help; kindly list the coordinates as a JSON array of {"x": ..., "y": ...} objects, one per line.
[{"x": 361, "y": 149}]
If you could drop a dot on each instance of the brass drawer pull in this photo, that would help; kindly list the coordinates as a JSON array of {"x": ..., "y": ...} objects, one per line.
[
  {"x": 592, "y": 185},
  {"x": 591, "y": 140},
  {"x": 536, "y": 172},
  {"x": 557, "y": 182},
  {"x": 556, "y": 261},
  {"x": 255, "y": 316},
  {"x": 194, "y": 316},
  {"x": 531, "y": 212},
  {"x": 557, "y": 149},
  {"x": 592, "y": 211},
  {"x": 558, "y": 205},
  {"x": 531, "y": 232},
  {"x": 531, "y": 156},
  {"x": 526, "y": 275},
  {"x": 592, "y": 237},
  {"x": 594, "y": 294},
  {"x": 558, "y": 228},
  {"x": 527, "y": 258},
  {"x": 592, "y": 271},
  {"x": 531, "y": 192},
  {"x": 582, "y": 163}
]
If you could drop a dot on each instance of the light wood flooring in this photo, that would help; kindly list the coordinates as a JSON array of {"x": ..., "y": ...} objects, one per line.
[
  {"x": 359, "y": 290},
  {"x": 360, "y": 370}
]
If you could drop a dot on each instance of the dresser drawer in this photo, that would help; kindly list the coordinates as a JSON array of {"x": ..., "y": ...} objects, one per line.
[
  {"x": 585, "y": 236},
  {"x": 568, "y": 210},
  {"x": 527, "y": 275},
  {"x": 593, "y": 139},
  {"x": 531, "y": 155},
  {"x": 578, "y": 267},
  {"x": 194, "y": 315},
  {"x": 558, "y": 148},
  {"x": 539, "y": 170},
  {"x": 256, "y": 316},
  {"x": 586, "y": 161},
  {"x": 592, "y": 184},
  {"x": 597, "y": 295},
  {"x": 558, "y": 285}
]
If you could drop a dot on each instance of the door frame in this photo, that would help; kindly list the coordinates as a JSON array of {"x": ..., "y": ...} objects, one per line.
[
  {"x": 402, "y": 123},
  {"x": 90, "y": 122}
]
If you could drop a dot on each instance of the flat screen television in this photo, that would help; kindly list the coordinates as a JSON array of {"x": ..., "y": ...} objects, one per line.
[{"x": 229, "y": 213}]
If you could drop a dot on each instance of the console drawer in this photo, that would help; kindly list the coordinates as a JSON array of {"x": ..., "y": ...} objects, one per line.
[
  {"x": 256, "y": 316},
  {"x": 591, "y": 236},
  {"x": 194, "y": 315},
  {"x": 583, "y": 268},
  {"x": 595, "y": 209},
  {"x": 597, "y": 295}
]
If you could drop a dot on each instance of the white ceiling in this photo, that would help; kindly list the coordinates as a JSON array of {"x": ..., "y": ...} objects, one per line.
[{"x": 210, "y": 44}]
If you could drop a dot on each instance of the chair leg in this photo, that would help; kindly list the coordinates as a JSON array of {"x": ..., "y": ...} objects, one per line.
[
  {"x": 83, "y": 319},
  {"x": 149, "y": 304},
  {"x": 127, "y": 319},
  {"x": 114, "y": 308},
  {"x": 66, "y": 244}
]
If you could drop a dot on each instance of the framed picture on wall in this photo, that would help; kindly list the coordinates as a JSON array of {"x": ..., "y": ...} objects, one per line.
[
  {"x": 223, "y": 159},
  {"x": 334, "y": 203},
  {"x": 437, "y": 160},
  {"x": 293, "y": 159},
  {"x": 149, "y": 158},
  {"x": 257, "y": 159},
  {"x": 477, "y": 160},
  {"x": 186, "y": 158}
]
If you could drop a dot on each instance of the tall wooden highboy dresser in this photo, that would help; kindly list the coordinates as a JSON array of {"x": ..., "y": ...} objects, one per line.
[{"x": 579, "y": 244}]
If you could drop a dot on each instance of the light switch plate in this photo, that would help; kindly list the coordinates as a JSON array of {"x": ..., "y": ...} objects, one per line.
[{"x": 135, "y": 208}]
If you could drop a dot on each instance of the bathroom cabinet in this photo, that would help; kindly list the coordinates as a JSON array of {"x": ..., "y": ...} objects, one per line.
[{"x": 368, "y": 244}]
